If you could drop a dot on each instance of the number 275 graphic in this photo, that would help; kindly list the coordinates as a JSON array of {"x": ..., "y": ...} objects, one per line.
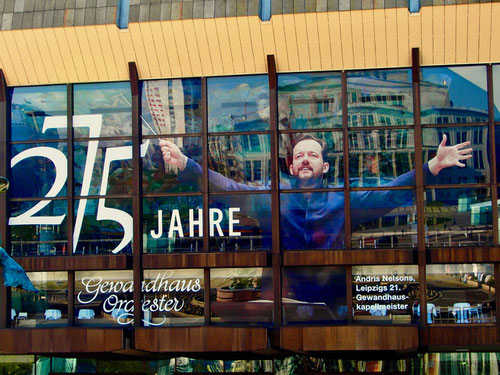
[{"x": 94, "y": 124}]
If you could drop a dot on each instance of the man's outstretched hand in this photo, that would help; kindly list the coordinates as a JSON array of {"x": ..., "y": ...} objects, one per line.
[
  {"x": 449, "y": 156},
  {"x": 172, "y": 155}
]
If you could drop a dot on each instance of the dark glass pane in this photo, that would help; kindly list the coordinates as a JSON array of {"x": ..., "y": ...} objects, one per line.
[
  {"x": 454, "y": 95},
  {"x": 240, "y": 222},
  {"x": 460, "y": 293},
  {"x": 378, "y": 157},
  {"x": 309, "y": 100},
  {"x": 112, "y": 101},
  {"x": 38, "y": 239},
  {"x": 254, "y": 365},
  {"x": 385, "y": 294},
  {"x": 160, "y": 177},
  {"x": 103, "y": 226},
  {"x": 458, "y": 217},
  {"x": 110, "y": 172},
  {"x": 380, "y": 97},
  {"x": 383, "y": 219},
  {"x": 171, "y": 106},
  {"x": 104, "y": 298},
  {"x": 312, "y": 220},
  {"x": 311, "y": 160},
  {"x": 17, "y": 364},
  {"x": 189, "y": 365},
  {"x": 38, "y": 169},
  {"x": 173, "y": 297},
  {"x": 31, "y": 106},
  {"x": 49, "y": 308},
  {"x": 477, "y": 168},
  {"x": 172, "y": 224},
  {"x": 242, "y": 162},
  {"x": 314, "y": 295},
  {"x": 238, "y": 103},
  {"x": 242, "y": 296}
]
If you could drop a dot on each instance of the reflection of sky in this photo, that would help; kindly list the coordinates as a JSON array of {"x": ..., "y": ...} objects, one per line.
[
  {"x": 44, "y": 98},
  {"x": 466, "y": 85},
  {"x": 228, "y": 96}
]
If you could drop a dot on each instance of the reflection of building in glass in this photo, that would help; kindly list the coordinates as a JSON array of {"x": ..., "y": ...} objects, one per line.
[
  {"x": 310, "y": 101},
  {"x": 380, "y": 98},
  {"x": 165, "y": 101}
]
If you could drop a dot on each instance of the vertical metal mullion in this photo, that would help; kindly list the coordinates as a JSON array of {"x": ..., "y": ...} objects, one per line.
[
  {"x": 4, "y": 207},
  {"x": 70, "y": 203},
  {"x": 419, "y": 186},
  {"x": 136, "y": 193},
  {"x": 497, "y": 300},
  {"x": 206, "y": 295},
  {"x": 275, "y": 199},
  {"x": 493, "y": 161},
  {"x": 348, "y": 283},
  {"x": 204, "y": 190},
  {"x": 71, "y": 298},
  {"x": 345, "y": 145}
]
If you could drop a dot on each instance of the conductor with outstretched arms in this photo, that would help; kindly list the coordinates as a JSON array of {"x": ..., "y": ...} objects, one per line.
[{"x": 316, "y": 220}]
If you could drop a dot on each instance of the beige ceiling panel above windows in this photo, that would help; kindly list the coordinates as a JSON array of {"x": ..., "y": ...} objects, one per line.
[{"x": 361, "y": 39}]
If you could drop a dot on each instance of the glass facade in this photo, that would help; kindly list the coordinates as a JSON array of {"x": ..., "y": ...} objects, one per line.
[{"x": 351, "y": 164}]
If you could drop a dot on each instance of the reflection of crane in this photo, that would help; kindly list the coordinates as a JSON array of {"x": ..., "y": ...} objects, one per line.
[{"x": 13, "y": 274}]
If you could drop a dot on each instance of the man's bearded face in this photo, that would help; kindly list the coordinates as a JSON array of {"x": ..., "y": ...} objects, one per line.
[{"x": 307, "y": 161}]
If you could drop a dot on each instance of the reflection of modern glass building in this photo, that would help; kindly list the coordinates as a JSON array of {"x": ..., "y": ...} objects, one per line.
[{"x": 203, "y": 191}]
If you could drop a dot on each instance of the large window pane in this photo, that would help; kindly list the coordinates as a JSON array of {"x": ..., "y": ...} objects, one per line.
[
  {"x": 477, "y": 168},
  {"x": 103, "y": 226},
  {"x": 160, "y": 177},
  {"x": 312, "y": 220},
  {"x": 377, "y": 157},
  {"x": 453, "y": 95},
  {"x": 314, "y": 295},
  {"x": 242, "y": 296},
  {"x": 110, "y": 172},
  {"x": 37, "y": 169},
  {"x": 380, "y": 97},
  {"x": 171, "y": 106},
  {"x": 384, "y": 294},
  {"x": 458, "y": 217},
  {"x": 383, "y": 219},
  {"x": 239, "y": 103},
  {"x": 49, "y": 308},
  {"x": 30, "y": 106},
  {"x": 104, "y": 298},
  {"x": 309, "y": 100},
  {"x": 39, "y": 239},
  {"x": 240, "y": 222},
  {"x": 311, "y": 160},
  {"x": 460, "y": 293},
  {"x": 110, "y": 100},
  {"x": 173, "y": 297},
  {"x": 243, "y": 162},
  {"x": 173, "y": 224}
]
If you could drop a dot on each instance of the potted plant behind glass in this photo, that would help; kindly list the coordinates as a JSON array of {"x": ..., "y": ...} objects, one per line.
[{"x": 241, "y": 289}]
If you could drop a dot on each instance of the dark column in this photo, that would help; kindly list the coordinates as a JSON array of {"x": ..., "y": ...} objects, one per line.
[
  {"x": 275, "y": 199},
  {"x": 136, "y": 192},
  {"x": 4, "y": 208},
  {"x": 419, "y": 181}
]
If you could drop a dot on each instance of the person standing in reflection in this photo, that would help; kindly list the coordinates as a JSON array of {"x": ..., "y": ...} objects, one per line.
[{"x": 315, "y": 220}]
